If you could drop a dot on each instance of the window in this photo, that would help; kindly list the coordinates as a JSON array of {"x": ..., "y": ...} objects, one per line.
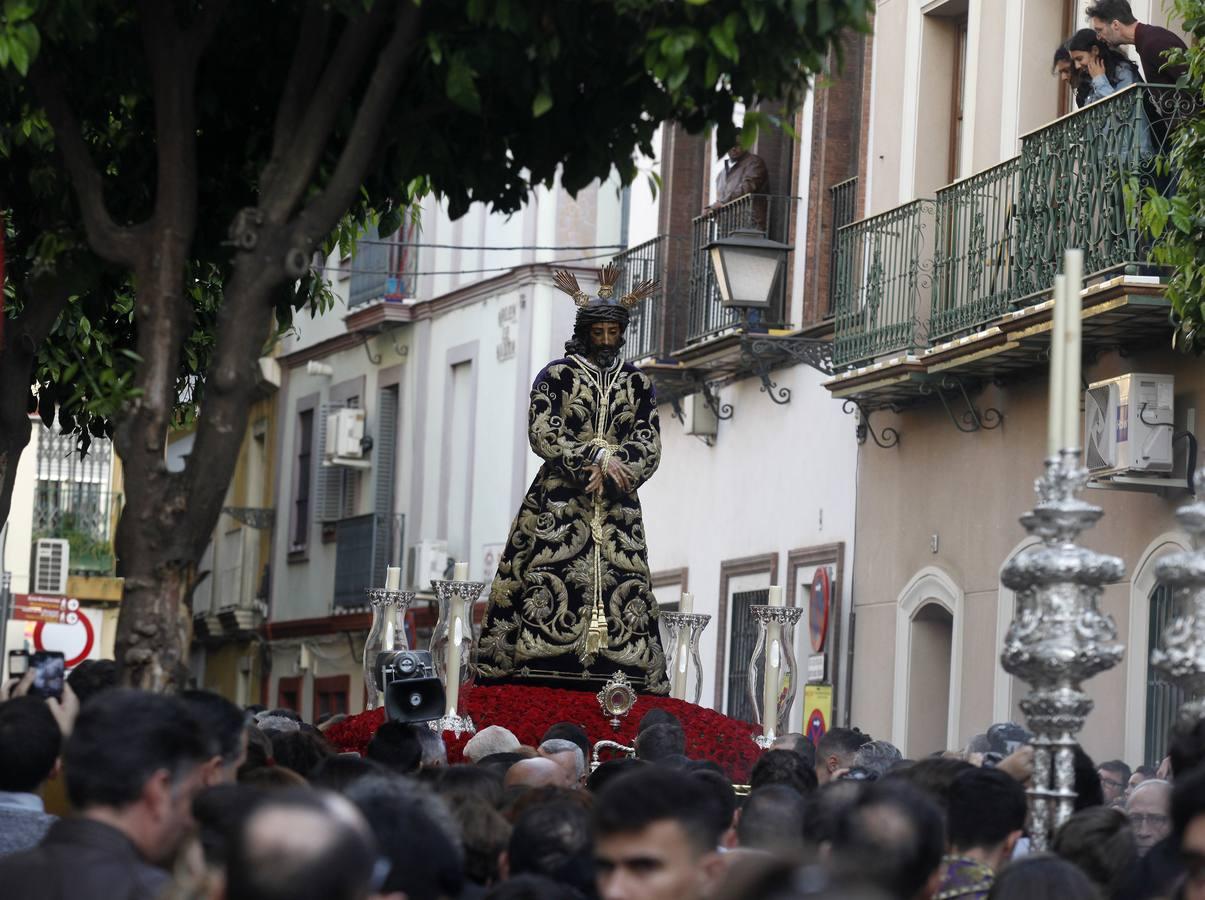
[
  {"x": 288, "y": 694},
  {"x": 330, "y": 696},
  {"x": 1163, "y": 698},
  {"x": 301, "y": 503},
  {"x": 742, "y": 641}
]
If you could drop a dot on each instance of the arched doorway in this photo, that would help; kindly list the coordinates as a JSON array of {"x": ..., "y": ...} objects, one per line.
[
  {"x": 929, "y": 680},
  {"x": 927, "y": 692}
]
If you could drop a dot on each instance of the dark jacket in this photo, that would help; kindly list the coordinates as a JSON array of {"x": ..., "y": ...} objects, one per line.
[
  {"x": 81, "y": 859},
  {"x": 1152, "y": 42}
]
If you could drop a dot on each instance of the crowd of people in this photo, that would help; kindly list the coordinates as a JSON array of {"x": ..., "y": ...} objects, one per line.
[
  {"x": 1093, "y": 61},
  {"x": 191, "y": 796}
]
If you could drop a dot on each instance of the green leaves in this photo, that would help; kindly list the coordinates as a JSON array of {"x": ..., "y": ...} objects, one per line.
[
  {"x": 461, "y": 84},
  {"x": 19, "y": 38}
]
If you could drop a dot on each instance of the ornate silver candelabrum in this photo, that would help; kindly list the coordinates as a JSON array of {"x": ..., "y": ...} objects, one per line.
[
  {"x": 785, "y": 617},
  {"x": 387, "y": 632},
  {"x": 459, "y": 629},
  {"x": 692, "y": 624},
  {"x": 1059, "y": 637},
  {"x": 1182, "y": 656}
]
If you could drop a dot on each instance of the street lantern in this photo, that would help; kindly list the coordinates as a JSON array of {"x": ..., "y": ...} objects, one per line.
[{"x": 747, "y": 267}]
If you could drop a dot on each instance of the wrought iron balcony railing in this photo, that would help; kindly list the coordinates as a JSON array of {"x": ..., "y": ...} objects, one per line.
[
  {"x": 82, "y": 514},
  {"x": 771, "y": 214},
  {"x": 843, "y": 198},
  {"x": 933, "y": 269},
  {"x": 645, "y": 330}
]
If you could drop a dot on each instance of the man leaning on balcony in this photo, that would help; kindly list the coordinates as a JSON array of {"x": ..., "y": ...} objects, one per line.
[
  {"x": 1114, "y": 22},
  {"x": 742, "y": 173}
]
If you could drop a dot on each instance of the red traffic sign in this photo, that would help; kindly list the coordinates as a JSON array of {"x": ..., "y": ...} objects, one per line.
[{"x": 821, "y": 602}]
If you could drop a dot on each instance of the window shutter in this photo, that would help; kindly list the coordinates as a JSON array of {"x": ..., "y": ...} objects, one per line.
[
  {"x": 384, "y": 451},
  {"x": 328, "y": 480}
]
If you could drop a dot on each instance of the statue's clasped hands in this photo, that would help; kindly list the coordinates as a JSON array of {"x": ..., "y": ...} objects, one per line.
[{"x": 616, "y": 470}]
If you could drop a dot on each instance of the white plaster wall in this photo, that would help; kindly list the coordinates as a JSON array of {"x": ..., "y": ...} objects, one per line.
[
  {"x": 18, "y": 535},
  {"x": 777, "y": 479}
]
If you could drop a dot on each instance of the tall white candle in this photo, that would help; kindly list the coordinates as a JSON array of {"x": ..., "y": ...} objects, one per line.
[
  {"x": 1054, "y": 420},
  {"x": 1073, "y": 269},
  {"x": 686, "y": 605},
  {"x": 771, "y": 683},
  {"x": 393, "y": 578},
  {"x": 455, "y": 636},
  {"x": 460, "y": 572}
]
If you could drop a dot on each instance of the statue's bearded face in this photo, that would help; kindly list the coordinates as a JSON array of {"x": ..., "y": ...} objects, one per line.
[{"x": 605, "y": 341}]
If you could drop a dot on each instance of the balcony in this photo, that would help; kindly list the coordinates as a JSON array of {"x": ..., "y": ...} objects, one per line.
[
  {"x": 971, "y": 268},
  {"x": 382, "y": 268},
  {"x": 364, "y": 546},
  {"x": 85, "y": 516},
  {"x": 645, "y": 334}
]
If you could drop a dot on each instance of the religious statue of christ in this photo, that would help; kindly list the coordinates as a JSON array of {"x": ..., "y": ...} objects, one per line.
[{"x": 571, "y": 603}]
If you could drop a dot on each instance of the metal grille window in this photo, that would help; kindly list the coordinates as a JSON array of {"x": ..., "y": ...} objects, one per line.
[
  {"x": 60, "y": 460},
  {"x": 1163, "y": 698},
  {"x": 359, "y": 542},
  {"x": 305, "y": 470},
  {"x": 742, "y": 639}
]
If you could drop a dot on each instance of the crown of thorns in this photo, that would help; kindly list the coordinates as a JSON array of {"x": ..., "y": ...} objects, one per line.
[{"x": 608, "y": 275}]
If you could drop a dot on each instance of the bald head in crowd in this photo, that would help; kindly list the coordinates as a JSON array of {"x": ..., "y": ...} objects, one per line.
[{"x": 537, "y": 772}]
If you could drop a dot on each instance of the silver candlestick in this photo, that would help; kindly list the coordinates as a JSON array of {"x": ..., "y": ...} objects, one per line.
[
  {"x": 454, "y": 641},
  {"x": 1059, "y": 637},
  {"x": 785, "y": 617},
  {"x": 387, "y": 632},
  {"x": 1182, "y": 656},
  {"x": 692, "y": 624}
]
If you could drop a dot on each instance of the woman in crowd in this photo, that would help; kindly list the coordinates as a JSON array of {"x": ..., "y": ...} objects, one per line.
[
  {"x": 1068, "y": 74},
  {"x": 1107, "y": 70}
]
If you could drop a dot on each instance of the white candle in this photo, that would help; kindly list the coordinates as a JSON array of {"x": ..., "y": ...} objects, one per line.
[
  {"x": 771, "y": 683},
  {"x": 686, "y": 605},
  {"x": 393, "y": 577},
  {"x": 1054, "y": 420},
  {"x": 1073, "y": 268},
  {"x": 460, "y": 572},
  {"x": 455, "y": 636}
]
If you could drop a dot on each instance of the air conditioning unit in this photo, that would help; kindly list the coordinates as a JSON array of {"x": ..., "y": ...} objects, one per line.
[
  {"x": 1128, "y": 424},
  {"x": 426, "y": 562},
  {"x": 345, "y": 442},
  {"x": 697, "y": 416},
  {"x": 51, "y": 557}
]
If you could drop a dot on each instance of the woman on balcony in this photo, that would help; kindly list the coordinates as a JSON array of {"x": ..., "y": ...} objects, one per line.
[{"x": 1108, "y": 70}]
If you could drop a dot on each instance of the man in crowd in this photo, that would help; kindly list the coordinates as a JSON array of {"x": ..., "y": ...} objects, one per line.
[
  {"x": 1114, "y": 779},
  {"x": 537, "y": 772},
  {"x": 797, "y": 743},
  {"x": 303, "y": 845},
  {"x": 985, "y": 820},
  {"x": 772, "y": 820},
  {"x": 1188, "y": 824},
  {"x": 1114, "y": 22},
  {"x": 488, "y": 741},
  {"x": 30, "y": 741},
  {"x": 227, "y": 725},
  {"x": 553, "y": 840},
  {"x": 133, "y": 764},
  {"x": 892, "y": 836},
  {"x": 658, "y": 742},
  {"x": 655, "y": 837},
  {"x": 783, "y": 767},
  {"x": 1148, "y": 807},
  {"x": 877, "y": 757},
  {"x": 836, "y": 751},
  {"x": 569, "y": 757}
]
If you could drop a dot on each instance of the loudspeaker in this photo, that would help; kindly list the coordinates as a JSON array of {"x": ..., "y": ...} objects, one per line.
[
  {"x": 414, "y": 700},
  {"x": 413, "y": 693}
]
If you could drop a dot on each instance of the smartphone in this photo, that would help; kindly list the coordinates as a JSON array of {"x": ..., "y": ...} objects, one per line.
[
  {"x": 18, "y": 663},
  {"x": 50, "y": 670}
]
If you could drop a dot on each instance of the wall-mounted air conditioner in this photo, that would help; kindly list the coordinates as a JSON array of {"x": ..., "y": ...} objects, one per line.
[
  {"x": 697, "y": 417},
  {"x": 1128, "y": 424},
  {"x": 51, "y": 557},
  {"x": 426, "y": 562},
  {"x": 345, "y": 441}
]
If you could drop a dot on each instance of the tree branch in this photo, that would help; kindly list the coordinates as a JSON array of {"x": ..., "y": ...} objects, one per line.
[
  {"x": 295, "y": 171},
  {"x": 299, "y": 84},
  {"x": 112, "y": 242},
  {"x": 320, "y": 215}
]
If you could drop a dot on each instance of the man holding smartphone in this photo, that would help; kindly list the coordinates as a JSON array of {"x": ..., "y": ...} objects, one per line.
[{"x": 133, "y": 764}]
